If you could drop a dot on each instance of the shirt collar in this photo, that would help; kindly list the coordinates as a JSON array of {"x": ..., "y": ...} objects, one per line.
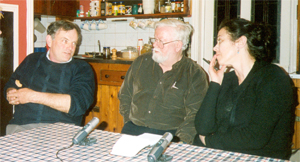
[
  {"x": 48, "y": 54},
  {"x": 179, "y": 63}
]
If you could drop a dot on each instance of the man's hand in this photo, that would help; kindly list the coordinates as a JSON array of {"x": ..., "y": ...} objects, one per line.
[
  {"x": 20, "y": 96},
  {"x": 60, "y": 102}
]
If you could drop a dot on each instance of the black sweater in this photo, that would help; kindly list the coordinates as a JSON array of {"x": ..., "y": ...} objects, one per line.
[
  {"x": 256, "y": 117},
  {"x": 36, "y": 72}
]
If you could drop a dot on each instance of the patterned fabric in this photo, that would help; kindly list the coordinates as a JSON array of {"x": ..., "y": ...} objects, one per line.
[{"x": 41, "y": 144}]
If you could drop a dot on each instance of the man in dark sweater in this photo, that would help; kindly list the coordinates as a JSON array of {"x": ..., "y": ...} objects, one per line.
[{"x": 50, "y": 87}]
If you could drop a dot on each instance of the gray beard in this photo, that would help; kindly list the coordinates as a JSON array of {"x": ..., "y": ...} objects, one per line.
[{"x": 158, "y": 58}]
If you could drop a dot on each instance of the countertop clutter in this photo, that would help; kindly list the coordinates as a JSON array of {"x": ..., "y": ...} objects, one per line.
[{"x": 99, "y": 59}]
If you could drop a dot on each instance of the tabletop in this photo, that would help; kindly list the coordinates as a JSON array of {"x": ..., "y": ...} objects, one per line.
[{"x": 42, "y": 144}]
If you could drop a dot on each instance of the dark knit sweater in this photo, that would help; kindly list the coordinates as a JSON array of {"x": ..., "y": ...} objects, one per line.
[
  {"x": 256, "y": 117},
  {"x": 36, "y": 72}
]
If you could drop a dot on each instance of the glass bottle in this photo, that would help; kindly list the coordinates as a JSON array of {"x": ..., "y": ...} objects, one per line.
[
  {"x": 140, "y": 10},
  {"x": 173, "y": 5},
  {"x": 178, "y": 7},
  {"x": 182, "y": 6},
  {"x": 168, "y": 8}
]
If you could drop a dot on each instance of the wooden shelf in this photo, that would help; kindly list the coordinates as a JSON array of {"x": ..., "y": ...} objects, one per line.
[{"x": 139, "y": 16}]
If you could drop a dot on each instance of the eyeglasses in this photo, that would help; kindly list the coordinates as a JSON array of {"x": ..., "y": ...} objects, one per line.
[{"x": 159, "y": 43}]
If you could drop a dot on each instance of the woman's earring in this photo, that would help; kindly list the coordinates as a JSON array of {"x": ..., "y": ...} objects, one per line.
[{"x": 238, "y": 51}]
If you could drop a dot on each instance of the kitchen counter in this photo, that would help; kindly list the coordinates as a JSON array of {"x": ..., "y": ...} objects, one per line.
[{"x": 98, "y": 59}]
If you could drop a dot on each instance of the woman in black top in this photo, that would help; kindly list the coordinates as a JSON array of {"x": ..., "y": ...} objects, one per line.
[{"x": 250, "y": 109}]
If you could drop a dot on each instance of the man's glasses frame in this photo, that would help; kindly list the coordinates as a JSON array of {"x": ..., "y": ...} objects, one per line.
[{"x": 160, "y": 43}]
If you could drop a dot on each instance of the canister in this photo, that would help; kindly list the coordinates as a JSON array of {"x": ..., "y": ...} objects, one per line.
[
  {"x": 121, "y": 10},
  {"x": 135, "y": 9},
  {"x": 106, "y": 54},
  {"x": 115, "y": 8}
]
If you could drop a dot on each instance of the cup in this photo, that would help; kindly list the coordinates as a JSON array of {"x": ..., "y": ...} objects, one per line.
[
  {"x": 93, "y": 25},
  {"x": 141, "y": 25},
  {"x": 150, "y": 23},
  {"x": 128, "y": 10},
  {"x": 85, "y": 25},
  {"x": 135, "y": 9},
  {"x": 101, "y": 25},
  {"x": 133, "y": 24},
  {"x": 39, "y": 26}
]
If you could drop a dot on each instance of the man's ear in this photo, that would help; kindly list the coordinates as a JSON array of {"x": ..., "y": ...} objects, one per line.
[
  {"x": 179, "y": 46},
  {"x": 49, "y": 40}
]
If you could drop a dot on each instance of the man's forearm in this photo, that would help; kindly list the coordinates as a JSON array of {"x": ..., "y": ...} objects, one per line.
[{"x": 60, "y": 102}]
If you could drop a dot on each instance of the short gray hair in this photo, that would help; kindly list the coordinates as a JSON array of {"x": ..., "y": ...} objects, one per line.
[
  {"x": 183, "y": 30},
  {"x": 65, "y": 25}
]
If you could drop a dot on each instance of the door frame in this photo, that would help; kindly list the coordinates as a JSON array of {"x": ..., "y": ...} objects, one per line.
[{"x": 15, "y": 10}]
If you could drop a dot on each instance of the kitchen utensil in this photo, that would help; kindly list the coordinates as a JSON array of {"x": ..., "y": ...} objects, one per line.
[{"x": 99, "y": 47}]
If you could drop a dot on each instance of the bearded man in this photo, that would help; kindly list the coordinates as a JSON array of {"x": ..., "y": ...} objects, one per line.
[{"x": 164, "y": 89}]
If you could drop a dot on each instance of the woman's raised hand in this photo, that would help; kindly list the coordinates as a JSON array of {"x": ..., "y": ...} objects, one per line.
[{"x": 216, "y": 75}]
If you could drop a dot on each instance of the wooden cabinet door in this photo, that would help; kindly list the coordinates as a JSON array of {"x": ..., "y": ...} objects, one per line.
[
  {"x": 296, "y": 138},
  {"x": 109, "y": 78},
  {"x": 40, "y": 7},
  {"x": 56, "y": 7}
]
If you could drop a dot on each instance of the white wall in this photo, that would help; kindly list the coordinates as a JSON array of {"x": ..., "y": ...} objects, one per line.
[{"x": 118, "y": 35}]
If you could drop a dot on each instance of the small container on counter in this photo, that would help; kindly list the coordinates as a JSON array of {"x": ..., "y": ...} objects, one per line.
[
  {"x": 140, "y": 45},
  {"x": 106, "y": 52}
]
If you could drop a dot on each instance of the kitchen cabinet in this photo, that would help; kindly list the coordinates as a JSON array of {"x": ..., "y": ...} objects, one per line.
[
  {"x": 109, "y": 78},
  {"x": 186, "y": 13},
  {"x": 296, "y": 138},
  {"x": 56, "y": 7}
]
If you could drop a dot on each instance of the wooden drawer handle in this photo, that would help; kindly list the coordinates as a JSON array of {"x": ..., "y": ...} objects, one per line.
[
  {"x": 106, "y": 76},
  {"x": 122, "y": 77}
]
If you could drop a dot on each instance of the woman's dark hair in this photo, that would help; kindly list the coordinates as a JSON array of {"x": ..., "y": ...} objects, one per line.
[
  {"x": 66, "y": 26},
  {"x": 260, "y": 40}
]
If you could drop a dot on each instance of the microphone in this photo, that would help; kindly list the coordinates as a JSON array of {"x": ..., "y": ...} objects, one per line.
[
  {"x": 85, "y": 130},
  {"x": 159, "y": 147}
]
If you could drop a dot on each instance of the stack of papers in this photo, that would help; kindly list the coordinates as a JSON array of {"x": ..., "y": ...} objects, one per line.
[{"x": 129, "y": 145}]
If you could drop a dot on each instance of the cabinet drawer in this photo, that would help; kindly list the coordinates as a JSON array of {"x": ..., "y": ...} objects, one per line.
[{"x": 112, "y": 76}]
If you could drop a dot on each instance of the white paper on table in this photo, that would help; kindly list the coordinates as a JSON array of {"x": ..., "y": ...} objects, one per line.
[{"x": 129, "y": 145}]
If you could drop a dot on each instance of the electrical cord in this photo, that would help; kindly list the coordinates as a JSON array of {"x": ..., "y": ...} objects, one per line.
[{"x": 61, "y": 150}]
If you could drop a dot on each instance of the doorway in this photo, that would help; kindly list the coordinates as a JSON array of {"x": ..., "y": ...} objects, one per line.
[{"x": 6, "y": 65}]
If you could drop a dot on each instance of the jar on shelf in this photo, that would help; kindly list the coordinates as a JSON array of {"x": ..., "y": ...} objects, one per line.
[
  {"x": 177, "y": 7},
  {"x": 182, "y": 6},
  {"x": 168, "y": 8},
  {"x": 115, "y": 8},
  {"x": 121, "y": 10},
  {"x": 173, "y": 5},
  {"x": 158, "y": 4},
  {"x": 162, "y": 8}
]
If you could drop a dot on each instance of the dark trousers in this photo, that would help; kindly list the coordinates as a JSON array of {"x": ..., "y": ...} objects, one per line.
[{"x": 132, "y": 129}]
